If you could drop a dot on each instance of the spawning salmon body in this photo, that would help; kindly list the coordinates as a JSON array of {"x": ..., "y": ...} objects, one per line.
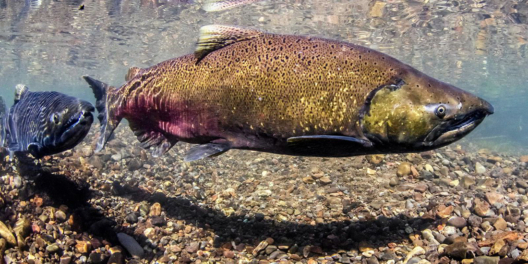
[
  {"x": 273, "y": 86},
  {"x": 280, "y": 93}
]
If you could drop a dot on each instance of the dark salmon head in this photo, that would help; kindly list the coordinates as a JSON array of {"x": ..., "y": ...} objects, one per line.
[
  {"x": 67, "y": 125},
  {"x": 46, "y": 123},
  {"x": 416, "y": 112}
]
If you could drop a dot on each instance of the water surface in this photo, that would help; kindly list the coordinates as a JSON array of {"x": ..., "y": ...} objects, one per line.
[{"x": 479, "y": 46}]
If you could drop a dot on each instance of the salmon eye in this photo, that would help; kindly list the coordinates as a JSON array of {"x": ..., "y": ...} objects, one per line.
[
  {"x": 440, "y": 111},
  {"x": 55, "y": 118}
]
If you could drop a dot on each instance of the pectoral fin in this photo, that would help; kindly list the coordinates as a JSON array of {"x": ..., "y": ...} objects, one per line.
[
  {"x": 318, "y": 140},
  {"x": 206, "y": 150}
]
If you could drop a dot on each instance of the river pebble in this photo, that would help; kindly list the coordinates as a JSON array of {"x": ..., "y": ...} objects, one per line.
[
  {"x": 257, "y": 207},
  {"x": 131, "y": 245}
]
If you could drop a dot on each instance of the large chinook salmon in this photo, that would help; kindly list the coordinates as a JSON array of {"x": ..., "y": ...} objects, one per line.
[{"x": 295, "y": 95}]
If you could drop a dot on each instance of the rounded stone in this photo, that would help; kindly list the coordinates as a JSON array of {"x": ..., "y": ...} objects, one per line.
[
  {"x": 457, "y": 222},
  {"x": 404, "y": 169}
]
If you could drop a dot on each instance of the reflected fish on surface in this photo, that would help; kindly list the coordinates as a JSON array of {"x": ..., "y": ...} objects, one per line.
[
  {"x": 44, "y": 123},
  {"x": 220, "y": 5},
  {"x": 286, "y": 94}
]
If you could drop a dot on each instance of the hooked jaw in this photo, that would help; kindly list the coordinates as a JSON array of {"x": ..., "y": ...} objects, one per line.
[
  {"x": 457, "y": 127},
  {"x": 79, "y": 125},
  {"x": 73, "y": 132}
]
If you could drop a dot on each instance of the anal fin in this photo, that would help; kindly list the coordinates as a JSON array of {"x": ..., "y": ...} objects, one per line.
[
  {"x": 206, "y": 150},
  {"x": 155, "y": 141}
]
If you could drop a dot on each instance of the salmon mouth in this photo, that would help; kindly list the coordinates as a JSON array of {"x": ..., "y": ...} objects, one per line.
[
  {"x": 456, "y": 128},
  {"x": 77, "y": 126}
]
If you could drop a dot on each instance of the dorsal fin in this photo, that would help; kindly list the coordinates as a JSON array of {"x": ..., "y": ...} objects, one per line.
[
  {"x": 132, "y": 72},
  {"x": 214, "y": 37},
  {"x": 20, "y": 91}
]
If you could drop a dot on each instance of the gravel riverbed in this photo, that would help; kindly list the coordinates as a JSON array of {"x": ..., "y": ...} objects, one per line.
[{"x": 459, "y": 204}]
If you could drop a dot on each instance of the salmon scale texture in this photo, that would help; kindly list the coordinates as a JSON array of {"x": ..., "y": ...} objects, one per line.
[{"x": 286, "y": 94}]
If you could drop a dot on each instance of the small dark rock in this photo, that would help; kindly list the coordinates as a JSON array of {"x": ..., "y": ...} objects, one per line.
[
  {"x": 426, "y": 175},
  {"x": 95, "y": 257},
  {"x": 183, "y": 259},
  {"x": 506, "y": 261},
  {"x": 293, "y": 249},
  {"x": 158, "y": 220},
  {"x": 60, "y": 216},
  {"x": 457, "y": 222},
  {"x": 132, "y": 218},
  {"x": 388, "y": 255},
  {"x": 457, "y": 250},
  {"x": 134, "y": 164},
  {"x": 259, "y": 217},
  {"x": 475, "y": 221}
]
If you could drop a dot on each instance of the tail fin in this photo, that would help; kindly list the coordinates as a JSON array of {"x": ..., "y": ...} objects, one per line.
[
  {"x": 107, "y": 102},
  {"x": 3, "y": 114}
]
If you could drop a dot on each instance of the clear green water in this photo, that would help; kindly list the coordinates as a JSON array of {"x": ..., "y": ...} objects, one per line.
[{"x": 479, "y": 46}]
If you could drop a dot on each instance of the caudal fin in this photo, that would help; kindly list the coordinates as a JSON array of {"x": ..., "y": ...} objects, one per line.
[
  {"x": 106, "y": 104},
  {"x": 3, "y": 113}
]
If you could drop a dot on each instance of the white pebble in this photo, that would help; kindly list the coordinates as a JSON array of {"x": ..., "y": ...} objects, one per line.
[
  {"x": 479, "y": 168},
  {"x": 415, "y": 252},
  {"x": 449, "y": 230}
]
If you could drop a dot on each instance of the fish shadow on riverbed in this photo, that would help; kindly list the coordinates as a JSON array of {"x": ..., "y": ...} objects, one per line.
[
  {"x": 45, "y": 181},
  {"x": 325, "y": 238},
  {"x": 59, "y": 190},
  {"x": 322, "y": 239}
]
